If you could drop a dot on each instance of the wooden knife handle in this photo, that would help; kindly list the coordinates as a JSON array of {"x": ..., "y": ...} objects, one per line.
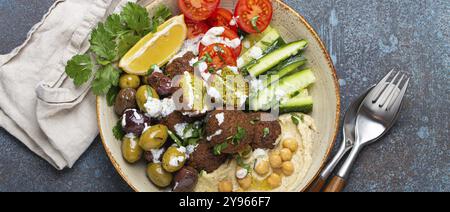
[
  {"x": 337, "y": 184},
  {"x": 317, "y": 185}
]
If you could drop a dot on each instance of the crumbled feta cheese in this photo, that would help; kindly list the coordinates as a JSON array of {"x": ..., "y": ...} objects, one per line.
[
  {"x": 157, "y": 69},
  {"x": 234, "y": 69},
  {"x": 181, "y": 149},
  {"x": 193, "y": 61},
  {"x": 247, "y": 44},
  {"x": 159, "y": 108},
  {"x": 240, "y": 62},
  {"x": 179, "y": 129},
  {"x": 168, "y": 106},
  {"x": 220, "y": 118},
  {"x": 130, "y": 135},
  {"x": 175, "y": 161},
  {"x": 233, "y": 21},
  {"x": 190, "y": 149},
  {"x": 157, "y": 153},
  {"x": 256, "y": 52},
  {"x": 241, "y": 173},
  {"x": 217, "y": 133}
]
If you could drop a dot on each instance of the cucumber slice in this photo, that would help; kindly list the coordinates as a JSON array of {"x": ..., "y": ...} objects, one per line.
[
  {"x": 252, "y": 39},
  {"x": 286, "y": 87},
  {"x": 274, "y": 58},
  {"x": 270, "y": 36},
  {"x": 300, "y": 103},
  {"x": 285, "y": 68}
]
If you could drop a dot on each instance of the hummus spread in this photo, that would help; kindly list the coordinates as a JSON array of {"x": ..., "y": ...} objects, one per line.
[{"x": 305, "y": 133}]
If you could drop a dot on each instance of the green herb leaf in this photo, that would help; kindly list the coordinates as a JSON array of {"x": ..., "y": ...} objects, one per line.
[
  {"x": 105, "y": 78},
  {"x": 79, "y": 68},
  {"x": 219, "y": 148},
  {"x": 296, "y": 119},
  {"x": 175, "y": 138},
  {"x": 112, "y": 95},
  {"x": 114, "y": 25},
  {"x": 152, "y": 69},
  {"x": 161, "y": 15},
  {"x": 254, "y": 22},
  {"x": 136, "y": 18},
  {"x": 118, "y": 131},
  {"x": 240, "y": 134},
  {"x": 266, "y": 132},
  {"x": 242, "y": 164},
  {"x": 126, "y": 42},
  {"x": 103, "y": 44}
]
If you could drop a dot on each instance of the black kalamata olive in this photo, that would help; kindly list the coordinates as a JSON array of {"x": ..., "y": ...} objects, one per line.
[
  {"x": 134, "y": 122},
  {"x": 161, "y": 83},
  {"x": 185, "y": 180}
]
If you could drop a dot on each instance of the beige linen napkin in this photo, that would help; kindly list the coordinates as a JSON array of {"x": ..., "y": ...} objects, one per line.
[{"x": 39, "y": 104}]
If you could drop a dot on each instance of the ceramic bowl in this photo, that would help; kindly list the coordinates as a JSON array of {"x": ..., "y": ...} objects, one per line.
[{"x": 325, "y": 92}]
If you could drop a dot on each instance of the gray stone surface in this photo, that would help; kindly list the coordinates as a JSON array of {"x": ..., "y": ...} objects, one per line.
[{"x": 365, "y": 38}]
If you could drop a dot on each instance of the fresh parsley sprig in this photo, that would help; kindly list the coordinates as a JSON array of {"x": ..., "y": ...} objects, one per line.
[{"x": 109, "y": 42}]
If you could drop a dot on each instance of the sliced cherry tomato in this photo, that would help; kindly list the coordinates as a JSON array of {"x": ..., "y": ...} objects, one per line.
[
  {"x": 218, "y": 56},
  {"x": 254, "y": 15},
  {"x": 230, "y": 35},
  {"x": 198, "y": 10},
  {"x": 196, "y": 28},
  {"x": 222, "y": 17}
]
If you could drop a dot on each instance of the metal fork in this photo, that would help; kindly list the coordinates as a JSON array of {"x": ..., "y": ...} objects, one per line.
[{"x": 376, "y": 116}]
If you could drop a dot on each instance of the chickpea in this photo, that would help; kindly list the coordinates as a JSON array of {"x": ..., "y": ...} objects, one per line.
[
  {"x": 274, "y": 180},
  {"x": 287, "y": 168},
  {"x": 225, "y": 186},
  {"x": 291, "y": 144},
  {"x": 246, "y": 182},
  {"x": 262, "y": 167},
  {"x": 286, "y": 154},
  {"x": 275, "y": 161}
]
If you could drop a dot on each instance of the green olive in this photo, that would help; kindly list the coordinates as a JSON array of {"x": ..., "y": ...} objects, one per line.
[
  {"x": 154, "y": 137},
  {"x": 131, "y": 151},
  {"x": 129, "y": 81},
  {"x": 158, "y": 175},
  {"x": 173, "y": 159},
  {"x": 143, "y": 93}
]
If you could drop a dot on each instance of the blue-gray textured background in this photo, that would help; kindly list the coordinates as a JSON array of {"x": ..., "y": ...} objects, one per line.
[{"x": 365, "y": 38}]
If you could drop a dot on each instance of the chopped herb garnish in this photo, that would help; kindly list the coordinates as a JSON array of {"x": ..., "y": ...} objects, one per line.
[
  {"x": 255, "y": 23},
  {"x": 118, "y": 131},
  {"x": 175, "y": 138},
  {"x": 296, "y": 119},
  {"x": 219, "y": 148},
  {"x": 242, "y": 164},
  {"x": 208, "y": 58},
  {"x": 240, "y": 134},
  {"x": 266, "y": 132},
  {"x": 152, "y": 69}
]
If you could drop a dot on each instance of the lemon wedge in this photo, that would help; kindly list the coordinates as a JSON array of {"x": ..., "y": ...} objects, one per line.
[{"x": 155, "y": 48}]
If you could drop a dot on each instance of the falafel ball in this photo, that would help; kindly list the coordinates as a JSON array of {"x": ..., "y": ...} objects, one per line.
[
  {"x": 266, "y": 133},
  {"x": 232, "y": 127},
  {"x": 203, "y": 158},
  {"x": 180, "y": 65}
]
